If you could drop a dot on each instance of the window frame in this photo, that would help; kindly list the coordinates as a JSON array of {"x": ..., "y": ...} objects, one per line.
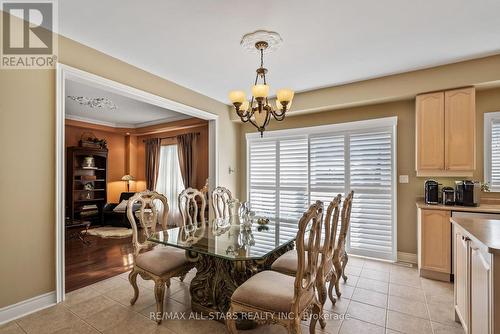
[
  {"x": 339, "y": 128},
  {"x": 489, "y": 118}
]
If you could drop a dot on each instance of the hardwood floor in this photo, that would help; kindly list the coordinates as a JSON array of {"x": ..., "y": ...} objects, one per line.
[{"x": 101, "y": 259}]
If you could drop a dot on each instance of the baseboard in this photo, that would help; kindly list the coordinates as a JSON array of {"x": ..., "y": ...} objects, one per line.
[
  {"x": 25, "y": 307},
  {"x": 407, "y": 257}
]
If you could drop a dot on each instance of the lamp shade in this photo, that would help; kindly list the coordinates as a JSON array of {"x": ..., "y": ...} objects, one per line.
[
  {"x": 128, "y": 178},
  {"x": 260, "y": 91},
  {"x": 285, "y": 94},
  {"x": 237, "y": 96}
]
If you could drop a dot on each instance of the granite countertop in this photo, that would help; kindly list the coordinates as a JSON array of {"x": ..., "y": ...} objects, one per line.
[
  {"x": 486, "y": 231},
  {"x": 485, "y": 208}
]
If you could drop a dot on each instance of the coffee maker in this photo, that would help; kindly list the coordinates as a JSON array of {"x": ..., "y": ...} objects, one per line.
[
  {"x": 431, "y": 190},
  {"x": 467, "y": 192}
]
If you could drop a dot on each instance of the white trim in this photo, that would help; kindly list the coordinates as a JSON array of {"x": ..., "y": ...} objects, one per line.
[
  {"x": 407, "y": 257},
  {"x": 124, "y": 125},
  {"x": 489, "y": 117},
  {"x": 64, "y": 72},
  {"x": 28, "y": 306},
  {"x": 339, "y": 127}
]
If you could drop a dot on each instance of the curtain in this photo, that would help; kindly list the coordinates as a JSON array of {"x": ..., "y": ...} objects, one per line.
[
  {"x": 188, "y": 155},
  {"x": 152, "y": 162},
  {"x": 170, "y": 180}
]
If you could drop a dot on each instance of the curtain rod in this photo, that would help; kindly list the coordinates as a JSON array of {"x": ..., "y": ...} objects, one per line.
[{"x": 169, "y": 137}]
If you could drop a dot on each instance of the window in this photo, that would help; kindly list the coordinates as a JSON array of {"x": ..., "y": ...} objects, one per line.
[
  {"x": 169, "y": 181},
  {"x": 290, "y": 169},
  {"x": 492, "y": 150}
]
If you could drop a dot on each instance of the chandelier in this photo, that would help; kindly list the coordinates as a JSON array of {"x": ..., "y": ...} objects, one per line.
[
  {"x": 259, "y": 111},
  {"x": 94, "y": 102}
]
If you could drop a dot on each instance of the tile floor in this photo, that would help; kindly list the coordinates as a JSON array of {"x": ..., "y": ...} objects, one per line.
[{"x": 377, "y": 298}]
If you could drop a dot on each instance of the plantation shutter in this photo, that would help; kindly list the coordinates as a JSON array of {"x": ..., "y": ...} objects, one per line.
[
  {"x": 495, "y": 156},
  {"x": 371, "y": 179}
]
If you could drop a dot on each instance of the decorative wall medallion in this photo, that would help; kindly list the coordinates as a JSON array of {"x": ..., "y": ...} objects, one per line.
[
  {"x": 94, "y": 102},
  {"x": 273, "y": 40}
]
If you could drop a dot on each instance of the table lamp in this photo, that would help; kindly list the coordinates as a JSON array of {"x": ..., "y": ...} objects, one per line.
[{"x": 128, "y": 178}]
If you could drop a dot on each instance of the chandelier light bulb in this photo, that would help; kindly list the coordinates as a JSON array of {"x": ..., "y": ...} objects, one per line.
[
  {"x": 244, "y": 106},
  {"x": 285, "y": 94},
  {"x": 260, "y": 91},
  {"x": 237, "y": 96}
]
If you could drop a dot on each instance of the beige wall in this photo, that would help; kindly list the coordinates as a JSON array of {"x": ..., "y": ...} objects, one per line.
[
  {"x": 27, "y": 171},
  {"x": 487, "y": 100}
]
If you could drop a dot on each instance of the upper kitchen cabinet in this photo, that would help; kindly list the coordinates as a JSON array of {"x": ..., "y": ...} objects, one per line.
[{"x": 446, "y": 133}]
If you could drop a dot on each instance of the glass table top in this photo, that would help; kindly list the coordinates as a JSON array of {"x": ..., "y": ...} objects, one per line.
[{"x": 233, "y": 238}]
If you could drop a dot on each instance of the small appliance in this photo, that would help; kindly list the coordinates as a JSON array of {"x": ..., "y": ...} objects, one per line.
[
  {"x": 431, "y": 189},
  {"x": 467, "y": 193},
  {"x": 448, "y": 196}
]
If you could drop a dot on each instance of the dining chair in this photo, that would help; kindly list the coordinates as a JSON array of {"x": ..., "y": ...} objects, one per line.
[
  {"x": 273, "y": 297},
  {"x": 340, "y": 256},
  {"x": 192, "y": 205},
  {"x": 287, "y": 263},
  {"x": 220, "y": 198},
  {"x": 159, "y": 264}
]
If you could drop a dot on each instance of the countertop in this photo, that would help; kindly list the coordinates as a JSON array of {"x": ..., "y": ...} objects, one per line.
[
  {"x": 486, "y": 231},
  {"x": 484, "y": 208}
]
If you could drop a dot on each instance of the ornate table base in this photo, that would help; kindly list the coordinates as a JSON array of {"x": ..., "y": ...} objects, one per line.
[{"x": 217, "y": 278}]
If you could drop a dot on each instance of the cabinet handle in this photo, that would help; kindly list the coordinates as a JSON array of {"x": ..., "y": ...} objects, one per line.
[{"x": 464, "y": 238}]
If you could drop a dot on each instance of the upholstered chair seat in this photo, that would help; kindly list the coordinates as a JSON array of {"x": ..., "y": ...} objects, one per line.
[
  {"x": 162, "y": 260},
  {"x": 274, "y": 290},
  {"x": 288, "y": 262}
]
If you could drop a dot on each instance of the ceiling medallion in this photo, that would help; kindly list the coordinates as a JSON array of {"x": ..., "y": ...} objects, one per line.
[
  {"x": 258, "y": 111},
  {"x": 94, "y": 102}
]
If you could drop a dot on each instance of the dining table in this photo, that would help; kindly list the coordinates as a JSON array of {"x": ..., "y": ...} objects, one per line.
[{"x": 227, "y": 252}]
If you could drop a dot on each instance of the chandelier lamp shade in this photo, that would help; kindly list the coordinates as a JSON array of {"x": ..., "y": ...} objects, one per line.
[{"x": 258, "y": 111}]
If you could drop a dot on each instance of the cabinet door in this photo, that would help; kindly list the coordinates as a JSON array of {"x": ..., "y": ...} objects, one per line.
[
  {"x": 461, "y": 298},
  {"x": 480, "y": 292},
  {"x": 430, "y": 120},
  {"x": 460, "y": 129},
  {"x": 436, "y": 240}
]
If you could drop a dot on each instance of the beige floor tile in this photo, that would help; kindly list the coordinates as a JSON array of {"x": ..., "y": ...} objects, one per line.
[
  {"x": 80, "y": 295},
  {"x": 11, "y": 328},
  {"x": 446, "y": 298},
  {"x": 48, "y": 321},
  {"x": 351, "y": 270},
  {"x": 171, "y": 309},
  {"x": 195, "y": 326},
  {"x": 367, "y": 313},
  {"x": 443, "y": 313},
  {"x": 370, "y": 297},
  {"x": 109, "y": 284},
  {"x": 407, "y": 324},
  {"x": 374, "y": 285},
  {"x": 271, "y": 329},
  {"x": 435, "y": 288},
  {"x": 406, "y": 292},
  {"x": 354, "y": 326},
  {"x": 109, "y": 317},
  {"x": 133, "y": 324},
  {"x": 443, "y": 329},
  {"x": 406, "y": 279},
  {"x": 355, "y": 262},
  {"x": 376, "y": 275},
  {"x": 352, "y": 280},
  {"x": 340, "y": 306},
  {"x": 77, "y": 327},
  {"x": 333, "y": 323},
  {"x": 91, "y": 306},
  {"x": 377, "y": 265},
  {"x": 123, "y": 296},
  {"x": 408, "y": 306},
  {"x": 390, "y": 331}
]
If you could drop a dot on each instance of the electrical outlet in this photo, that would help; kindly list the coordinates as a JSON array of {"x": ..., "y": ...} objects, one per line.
[{"x": 403, "y": 179}]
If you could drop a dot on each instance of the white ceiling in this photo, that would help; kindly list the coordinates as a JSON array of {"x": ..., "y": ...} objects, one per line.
[
  {"x": 129, "y": 113},
  {"x": 326, "y": 42}
]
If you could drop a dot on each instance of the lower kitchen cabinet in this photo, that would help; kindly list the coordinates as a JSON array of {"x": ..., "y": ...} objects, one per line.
[{"x": 474, "y": 299}]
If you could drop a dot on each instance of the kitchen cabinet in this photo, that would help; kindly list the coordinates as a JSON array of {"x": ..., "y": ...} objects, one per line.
[
  {"x": 434, "y": 251},
  {"x": 476, "y": 254},
  {"x": 445, "y": 133},
  {"x": 461, "y": 260}
]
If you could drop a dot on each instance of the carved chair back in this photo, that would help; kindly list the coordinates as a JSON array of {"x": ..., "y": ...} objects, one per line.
[
  {"x": 148, "y": 215},
  {"x": 345, "y": 217},
  {"x": 192, "y": 204},
  {"x": 220, "y": 197},
  {"x": 309, "y": 232},
  {"x": 331, "y": 222}
]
